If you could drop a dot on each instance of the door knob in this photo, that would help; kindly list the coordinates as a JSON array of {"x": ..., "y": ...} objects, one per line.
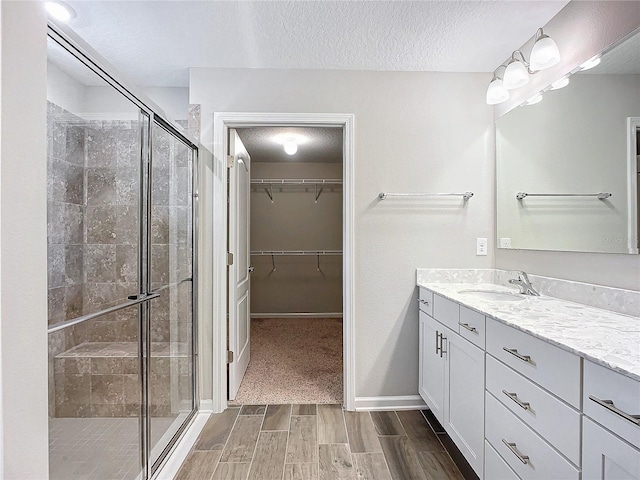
[{"x": 252, "y": 269}]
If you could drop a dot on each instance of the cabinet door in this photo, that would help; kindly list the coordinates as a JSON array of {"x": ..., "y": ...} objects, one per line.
[
  {"x": 431, "y": 382},
  {"x": 606, "y": 456},
  {"x": 464, "y": 405}
]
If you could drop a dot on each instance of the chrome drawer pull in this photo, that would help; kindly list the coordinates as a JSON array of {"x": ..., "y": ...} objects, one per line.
[
  {"x": 608, "y": 404},
  {"x": 514, "y": 352},
  {"x": 514, "y": 397},
  {"x": 512, "y": 446},
  {"x": 466, "y": 325}
]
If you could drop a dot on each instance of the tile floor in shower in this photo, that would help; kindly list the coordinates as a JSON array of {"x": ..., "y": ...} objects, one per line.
[{"x": 99, "y": 448}]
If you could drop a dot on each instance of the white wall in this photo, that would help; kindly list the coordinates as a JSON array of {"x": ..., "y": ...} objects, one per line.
[
  {"x": 23, "y": 241},
  {"x": 581, "y": 30},
  {"x": 414, "y": 132},
  {"x": 575, "y": 141},
  {"x": 64, "y": 90}
]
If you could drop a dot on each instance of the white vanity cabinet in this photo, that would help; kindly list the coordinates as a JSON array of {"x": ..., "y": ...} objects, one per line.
[{"x": 452, "y": 379}]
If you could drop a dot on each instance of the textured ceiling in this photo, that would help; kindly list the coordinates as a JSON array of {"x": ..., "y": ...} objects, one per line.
[
  {"x": 155, "y": 42},
  {"x": 315, "y": 145}
]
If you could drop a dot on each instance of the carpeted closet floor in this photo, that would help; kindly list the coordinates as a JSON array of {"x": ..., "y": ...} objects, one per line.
[{"x": 294, "y": 360}]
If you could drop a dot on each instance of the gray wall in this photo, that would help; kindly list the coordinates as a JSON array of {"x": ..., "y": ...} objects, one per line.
[
  {"x": 581, "y": 29},
  {"x": 294, "y": 221},
  {"x": 414, "y": 132}
]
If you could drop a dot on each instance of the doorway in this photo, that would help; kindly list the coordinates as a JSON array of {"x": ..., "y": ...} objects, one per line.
[
  {"x": 271, "y": 261},
  {"x": 294, "y": 227}
]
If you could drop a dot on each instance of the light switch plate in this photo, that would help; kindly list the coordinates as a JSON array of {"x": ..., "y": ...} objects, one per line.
[{"x": 481, "y": 246}]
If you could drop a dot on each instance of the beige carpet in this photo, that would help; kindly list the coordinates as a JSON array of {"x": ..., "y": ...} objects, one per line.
[{"x": 294, "y": 360}]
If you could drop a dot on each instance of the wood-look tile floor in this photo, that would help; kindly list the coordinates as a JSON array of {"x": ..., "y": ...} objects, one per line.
[{"x": 317, "y": 442}]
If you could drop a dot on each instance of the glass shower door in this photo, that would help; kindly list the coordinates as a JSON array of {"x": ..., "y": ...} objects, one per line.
[{"x": 171, "y": 379}]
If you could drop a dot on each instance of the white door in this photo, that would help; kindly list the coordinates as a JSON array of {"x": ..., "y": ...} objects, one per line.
[{"x": 239, "y": 299}]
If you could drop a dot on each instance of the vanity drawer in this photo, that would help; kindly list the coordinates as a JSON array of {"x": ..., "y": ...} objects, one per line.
[
  {"x": 425, "y": 300},
  {"x": 553, "y": 419},
  {"x": 447, "y": 312},
  {"x": 495, "y": 468},
  {"x": 472, "y": 326},
  {"x": 549, "y": 366},
  {"x": 514, "y": 441},
  {"x": 602, "y": 385}
]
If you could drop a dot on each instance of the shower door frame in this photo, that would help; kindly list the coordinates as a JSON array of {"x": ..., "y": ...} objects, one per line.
[{"x": 69, "y": 41}]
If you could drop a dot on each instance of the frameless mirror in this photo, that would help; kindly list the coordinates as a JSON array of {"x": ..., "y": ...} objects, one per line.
[{"x": 567, "y": 167}]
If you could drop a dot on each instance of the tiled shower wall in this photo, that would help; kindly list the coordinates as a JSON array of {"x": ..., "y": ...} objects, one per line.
[{"x": 93, "y": 231}]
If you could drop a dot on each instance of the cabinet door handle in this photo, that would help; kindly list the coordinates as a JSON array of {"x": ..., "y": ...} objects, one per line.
[
  {"x": 438, "y": 336},
  {"x": 442, "y": 350},
  {"x": 466, "y": 325},
  {"x": 609, "y": 405},
  {"x": 514, "y": 397},
  {"x": 512, "y": 446},
  {"x": 514, "y": 352}
]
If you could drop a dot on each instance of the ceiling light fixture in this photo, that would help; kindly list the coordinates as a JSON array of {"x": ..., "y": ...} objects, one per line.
[
  {"x": 592, "y": 62},
  {"x": 60, "y": 10},
  {"x": 290, "y": 148},
  {"x": 517, "y": 71}
]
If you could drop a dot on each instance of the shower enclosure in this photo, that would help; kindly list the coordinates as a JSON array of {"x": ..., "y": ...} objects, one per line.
[{"x": 120, "y": 274}]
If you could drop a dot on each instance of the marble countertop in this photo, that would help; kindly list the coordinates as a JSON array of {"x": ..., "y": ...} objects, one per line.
[{"x": 607, "y": 338}]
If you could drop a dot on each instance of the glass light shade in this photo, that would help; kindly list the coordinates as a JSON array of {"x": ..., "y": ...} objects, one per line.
[
  {"x": 290, "y": 148},
  {"x": 535, "y": 99},
  {"x": 544, "y": 53},
  {"x": 558, "y": 84},
  {"x": 589, "y": 64},
  {"x": 516, "y": 75},
  {"x": 60, "y": 11},
  {"x": 496, "y": 93}
]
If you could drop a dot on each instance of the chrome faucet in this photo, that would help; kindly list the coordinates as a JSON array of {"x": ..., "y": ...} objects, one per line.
[{"x": 524, "y": 284}]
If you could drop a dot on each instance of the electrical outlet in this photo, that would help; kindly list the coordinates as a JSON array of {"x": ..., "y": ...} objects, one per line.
[
  {"x": 505, "y": 242},
  {"x": 481, "y": 246}
]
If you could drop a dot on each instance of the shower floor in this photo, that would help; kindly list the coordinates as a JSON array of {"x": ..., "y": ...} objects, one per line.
[{"x": 98, "y": 448}]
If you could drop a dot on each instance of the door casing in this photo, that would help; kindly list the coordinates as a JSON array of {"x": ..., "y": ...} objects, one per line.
[{"x": 222, "y": 122}]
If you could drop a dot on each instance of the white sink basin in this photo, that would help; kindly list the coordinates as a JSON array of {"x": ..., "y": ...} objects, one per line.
[{"x": 494, "y": 295}]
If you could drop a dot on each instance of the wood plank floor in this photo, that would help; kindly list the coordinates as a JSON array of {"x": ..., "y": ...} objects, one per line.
[{"x": 317, "y": 442}]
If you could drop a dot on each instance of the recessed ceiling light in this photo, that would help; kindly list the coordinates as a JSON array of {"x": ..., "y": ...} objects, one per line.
[
  {"x": 592, "y": 62},
  {"x": 60, "y": 10}
]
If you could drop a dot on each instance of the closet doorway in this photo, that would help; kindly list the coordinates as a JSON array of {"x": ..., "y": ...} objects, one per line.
[{"x": 289, "y": 328}]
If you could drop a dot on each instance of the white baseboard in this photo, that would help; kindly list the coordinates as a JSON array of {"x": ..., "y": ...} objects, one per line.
[
  {"x": 404, "y": 402},
  {"x": 178, "y": 455}
]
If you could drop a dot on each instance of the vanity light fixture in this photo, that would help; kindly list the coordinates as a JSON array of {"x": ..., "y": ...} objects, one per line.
[
  {"x": 516, "y": 74},
  {"x": 537, "y": 98},
  {"x": 60, "y": 10},
  {"x": 544, "y": 54},
  {"x": 592, "y": 62},
  {"x": 497, "y": 93},
  {"x": 290, "y": 148},
  {"x": 561, "y": 83}
]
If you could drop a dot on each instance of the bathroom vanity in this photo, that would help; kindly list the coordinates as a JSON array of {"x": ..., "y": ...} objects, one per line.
[{"x": 531, "y": 387}]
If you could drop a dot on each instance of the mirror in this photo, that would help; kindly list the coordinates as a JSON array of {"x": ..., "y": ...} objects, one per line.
[{"x": 567, "y": 167}]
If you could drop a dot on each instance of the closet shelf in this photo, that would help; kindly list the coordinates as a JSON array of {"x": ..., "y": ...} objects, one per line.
[
  {"x": 282, "y": 182},
  {"x": 286, "y": 253}
]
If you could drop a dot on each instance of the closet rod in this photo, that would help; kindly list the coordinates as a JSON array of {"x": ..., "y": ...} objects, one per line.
[
  {"x": 295, "y": 181},
  {"x": 296, "y": 252}
]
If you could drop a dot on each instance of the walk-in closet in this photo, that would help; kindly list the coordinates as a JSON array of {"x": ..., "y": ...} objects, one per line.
[{"x": 295, "y": 237}]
